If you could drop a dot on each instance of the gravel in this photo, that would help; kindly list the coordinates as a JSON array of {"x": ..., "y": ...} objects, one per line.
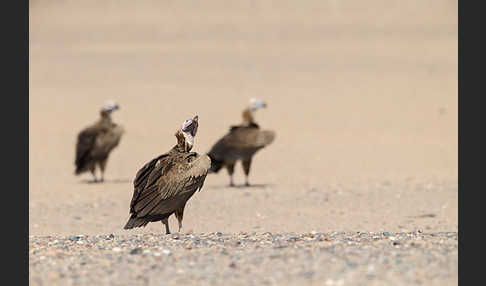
[{"x": 264, "y": 258}]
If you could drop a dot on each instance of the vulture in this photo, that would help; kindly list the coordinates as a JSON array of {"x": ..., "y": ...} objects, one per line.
[
  {"x": 240, "y": 143},
  {"x": 96, "y": 142},
  {"x": 164, "y": 185}
]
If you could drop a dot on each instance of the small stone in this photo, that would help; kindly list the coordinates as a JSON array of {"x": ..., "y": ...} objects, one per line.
[
  {"x": 74, "y": 238},
  {"x": 166, "y": 252},
  {"x": 116, "y": 249},
  {"x": 219, "y": 234},
  {"x": 137, "y": 250}
]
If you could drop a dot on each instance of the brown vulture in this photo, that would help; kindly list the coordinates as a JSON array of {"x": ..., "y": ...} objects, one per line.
[
  {"x": 96, "y": 142},
  {"x": 240, "y": 143},
  {"x": 164, "y": 185}
]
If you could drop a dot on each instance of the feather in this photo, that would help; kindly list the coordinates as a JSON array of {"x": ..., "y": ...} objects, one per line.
[
  {"x": 95, "y": 143},
  {"x": 164, "y": 184}
]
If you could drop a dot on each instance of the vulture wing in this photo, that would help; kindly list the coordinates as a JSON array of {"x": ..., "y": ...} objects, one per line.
[
  {"x": 240, "y": 142},
  {"x": 86, "y": 142},
  {"x": 163, "y": 184}
]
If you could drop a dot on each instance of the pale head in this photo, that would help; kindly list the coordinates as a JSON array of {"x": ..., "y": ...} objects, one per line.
[
  {"x": 188, "y": 131},
  {"x": 190, "y": 126},
  {"x": 110, "y": 106},
  {"x": 256, "y": 104}
]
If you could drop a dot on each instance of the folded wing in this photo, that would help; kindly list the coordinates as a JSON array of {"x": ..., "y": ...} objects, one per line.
[
  {"x": 84, "y": 146},
  {"x": 241, "y": 142},
  {"x": 162, "y": 186}
]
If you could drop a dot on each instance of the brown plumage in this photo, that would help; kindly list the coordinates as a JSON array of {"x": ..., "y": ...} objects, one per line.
[
  {"x": 240, "y": 143},
  {"x": 164, "y": 185},
  {"x": 96, "y": 142}
]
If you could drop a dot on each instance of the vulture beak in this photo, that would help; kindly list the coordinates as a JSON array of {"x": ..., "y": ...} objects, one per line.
[{"x": 195, "y": 124}]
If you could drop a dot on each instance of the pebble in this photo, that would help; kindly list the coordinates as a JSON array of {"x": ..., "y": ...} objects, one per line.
[
  {"x": 137, "y": 250},
  {"x": 253, "y": 258},
  {"x": 166, "y": 252}
]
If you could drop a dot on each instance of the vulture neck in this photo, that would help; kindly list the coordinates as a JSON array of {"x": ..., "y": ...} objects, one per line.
[
  {"x": 105, "y": 116},
  {"x": 185, "y": 141},
  {"x": 248, "y": 117}
]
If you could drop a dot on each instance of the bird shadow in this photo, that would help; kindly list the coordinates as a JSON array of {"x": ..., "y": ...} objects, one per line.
[
  {"x": 242, "y": 186},
  {"x": 114, "y": 181}
]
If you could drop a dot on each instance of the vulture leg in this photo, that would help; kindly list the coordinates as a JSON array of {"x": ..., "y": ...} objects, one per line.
[
  {"x": 179, "y": 215},
  {"x": 102, "y": 164},
  {"x": 92, "y": 169},
  {"x": 231, "y": 168},
  {"x": 165, "y": 221},
  {"x": 246, "y": 167}
]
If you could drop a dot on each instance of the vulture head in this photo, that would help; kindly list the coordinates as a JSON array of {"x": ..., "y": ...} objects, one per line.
[
  {"x": 185, "y": 136},
  {"x": 190, "y": 126},
  {"x": 256, "y": 104},
  {"x": 108, "y": 107},
  {"x": 248, "y": 112}
]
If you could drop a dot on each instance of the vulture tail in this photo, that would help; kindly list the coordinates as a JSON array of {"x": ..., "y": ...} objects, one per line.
[
  {"x": 215, "y": 164},
  {"x": 80, "y": 164},
  {"x": 133, "y": 221},
  {"x": 79, "y": 169}
]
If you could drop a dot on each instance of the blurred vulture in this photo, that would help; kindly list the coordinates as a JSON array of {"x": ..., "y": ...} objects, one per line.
[
  {"x": 240, "y": 143},
  {"x": 97, "y": 141},
  {"x": 164, "y": 185}
]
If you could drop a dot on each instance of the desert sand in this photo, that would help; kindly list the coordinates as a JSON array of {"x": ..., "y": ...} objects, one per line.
[{"x": 362, "y": 96}]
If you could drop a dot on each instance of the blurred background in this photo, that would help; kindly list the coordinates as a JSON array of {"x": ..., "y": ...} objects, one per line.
[{"x": 362, "y": 96}]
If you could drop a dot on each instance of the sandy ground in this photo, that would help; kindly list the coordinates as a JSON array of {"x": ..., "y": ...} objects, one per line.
[
  {"x": 336, "y": 258},
  {"x": 362, "y": 96}
]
